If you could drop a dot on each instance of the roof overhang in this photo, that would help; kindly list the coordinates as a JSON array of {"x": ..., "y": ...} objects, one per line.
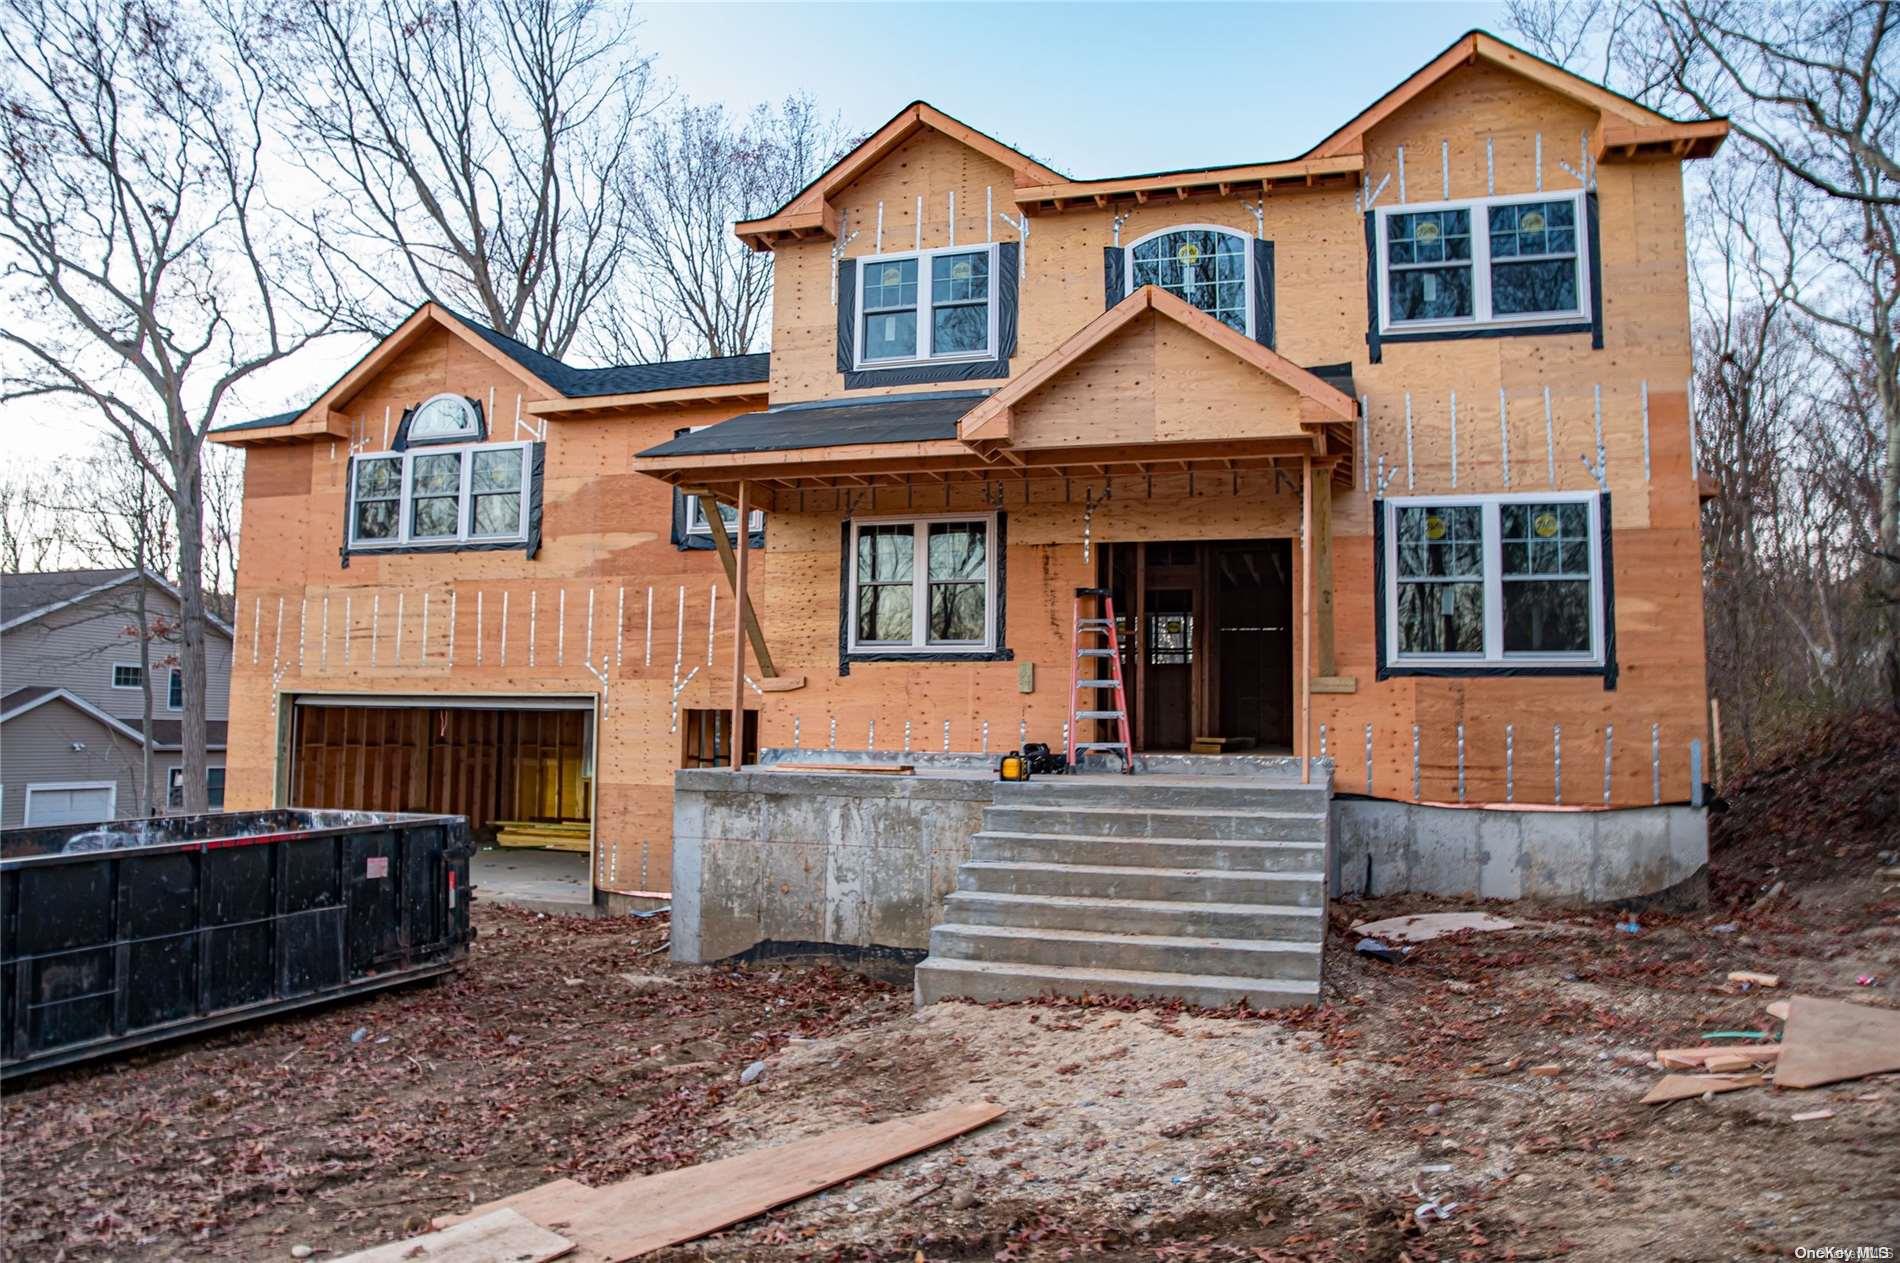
[
  {"x": 1615, "y": 141},
  {"x": 981, "y": 450},
  {"x": 595, "y": 407},
  {"x": 1341, "y": 172},
  {"x": 811, "y": 214},
  {"x": 79, "y": 704}
]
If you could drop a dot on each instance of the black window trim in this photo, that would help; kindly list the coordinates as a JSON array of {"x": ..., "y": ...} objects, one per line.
[{"x": 999, "y": 650}]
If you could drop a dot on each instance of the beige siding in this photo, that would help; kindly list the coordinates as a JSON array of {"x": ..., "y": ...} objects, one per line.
[{"x": 76, "y": 648}]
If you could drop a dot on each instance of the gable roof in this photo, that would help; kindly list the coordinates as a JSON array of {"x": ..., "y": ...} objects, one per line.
[
  {"x": 23, "y": 701},
  {"x": 539, "y": 371},
  {"x": 913, "y": 418},
  {"x": 809, "y": 211},
  {"x": 1468, "y": 49},
  {"x": 25, "y": 597},
  {"x": 1322, "y": 402}
]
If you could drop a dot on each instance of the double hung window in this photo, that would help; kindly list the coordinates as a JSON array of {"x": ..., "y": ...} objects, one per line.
[
  {"x": 922, "y": 583},
  {"x": 1491, "y": 262},
  {"x": 932, "y": 305},
  {"x": 1506, "y": 580},
  {"x": 439, "y": 495}
]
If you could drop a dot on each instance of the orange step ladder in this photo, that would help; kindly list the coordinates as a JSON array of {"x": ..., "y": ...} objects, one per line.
[{"x": 1107, "y": 648}]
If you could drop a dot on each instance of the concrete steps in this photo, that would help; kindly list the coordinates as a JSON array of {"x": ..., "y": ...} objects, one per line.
[
  {"x": 987, "y": 981},
  {"x": 1203, "y": 889}
]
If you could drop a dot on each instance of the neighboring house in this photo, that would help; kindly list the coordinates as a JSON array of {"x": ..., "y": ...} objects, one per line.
[
  {"x": 1383, "y": 450},
  {"x": 72, "y": 702}
]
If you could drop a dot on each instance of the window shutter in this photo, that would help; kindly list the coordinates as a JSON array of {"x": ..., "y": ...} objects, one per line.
[
  {"x": 1114, "y": 276},
  {"x": 1260, "y": 258},
  {"x": 847, "y": 314}
]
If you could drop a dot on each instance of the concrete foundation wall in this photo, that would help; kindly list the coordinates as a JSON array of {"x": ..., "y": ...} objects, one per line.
[
  {"x": 1626, "y": 855},
  {"x": 814, "y": 857}
]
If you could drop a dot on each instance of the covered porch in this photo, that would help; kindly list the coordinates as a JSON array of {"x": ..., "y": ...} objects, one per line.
[{"x": 1157, "y": 454}]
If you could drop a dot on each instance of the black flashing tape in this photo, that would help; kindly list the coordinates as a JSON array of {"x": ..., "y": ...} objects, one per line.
[
  {"x": 1372, "y": 289},
  {"x": 538, "y": 460},
  {"x": 847, "y": 314},
  {"x": 1596, "y": 272},
  {"x": 1114, "y": 276},
  {"x": 1260, "y": 254},
  {"x": 1609, "y": 596},
  {"x": 1001, "y": 653}
]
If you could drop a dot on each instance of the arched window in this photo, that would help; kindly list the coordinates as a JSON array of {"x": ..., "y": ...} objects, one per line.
[
  {"x": 446, "y": 419},
  {"x": 1203, "y": 265}
]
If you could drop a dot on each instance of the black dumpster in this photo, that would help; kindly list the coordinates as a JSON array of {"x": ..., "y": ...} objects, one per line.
[{"x": 121, "y": 934}]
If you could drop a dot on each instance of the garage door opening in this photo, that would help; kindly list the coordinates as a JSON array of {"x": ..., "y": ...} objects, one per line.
[{"x": 523, "y": 775}]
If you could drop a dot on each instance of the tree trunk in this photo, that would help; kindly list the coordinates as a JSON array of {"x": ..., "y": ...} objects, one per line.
[
  {"x": 147, "y": 806},
  {"x": 189, "y": 504}
]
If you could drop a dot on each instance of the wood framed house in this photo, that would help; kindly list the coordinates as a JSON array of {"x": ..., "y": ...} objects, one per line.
[{"x": 1382, "y": 453}]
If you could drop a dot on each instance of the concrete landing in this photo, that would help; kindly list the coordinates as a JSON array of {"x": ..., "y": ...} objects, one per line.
[{"x": 555, "y": 882}]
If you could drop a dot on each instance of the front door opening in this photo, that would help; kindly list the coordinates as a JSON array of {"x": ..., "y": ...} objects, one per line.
[{"x": 1207, "y": 643}]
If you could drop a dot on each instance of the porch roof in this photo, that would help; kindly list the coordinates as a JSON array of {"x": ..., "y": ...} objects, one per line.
[{"x": 971, "y": 436}]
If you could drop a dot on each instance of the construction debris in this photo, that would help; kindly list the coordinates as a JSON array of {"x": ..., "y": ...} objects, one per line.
[
  {"x": 1431, "y": 925},
  {"x": 1747, "y": 979},
  {"x": 1682, "y": 1087},
  {"x": 1704, "y": 1058},
  {"x": 1810, "y": 1116},
  {"x": 1827, "y": 1041}
]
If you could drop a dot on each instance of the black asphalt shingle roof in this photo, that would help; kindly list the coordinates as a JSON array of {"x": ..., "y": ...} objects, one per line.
[
  {"x": 830, "y": 423},
  {"x": 585, "y": 383}
]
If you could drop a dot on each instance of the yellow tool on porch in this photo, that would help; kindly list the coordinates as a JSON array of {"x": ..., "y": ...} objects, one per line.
[{"x": 1101, "y": 624}]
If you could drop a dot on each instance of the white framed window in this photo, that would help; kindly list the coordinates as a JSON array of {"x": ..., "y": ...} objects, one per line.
[
  {"x": 175, "y": 690},
  {"x": 1505, "y": 580},
  {"x": 1202, "y": 264},
  {"x": 446, "y": 419},
  {"x": 928, "y": 305},
  {"x": 728, "y": 513},
  {"x": 439, "y": 496},
  {"x": 1488, "y": 262},
  {"x": 923, "y": 583},
  {"x": 214, "y": 787},
  {"x": 128, "y": 675}
]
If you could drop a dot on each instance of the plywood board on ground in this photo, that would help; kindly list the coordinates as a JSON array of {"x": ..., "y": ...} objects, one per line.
[
  {"x": 634, "y": 1217},
  {"x": 500, "y": 1236},
  {"x": 1826, "y": 1041}
]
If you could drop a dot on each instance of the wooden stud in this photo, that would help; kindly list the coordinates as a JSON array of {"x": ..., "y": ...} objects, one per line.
[{"x": 741, "y": 596}]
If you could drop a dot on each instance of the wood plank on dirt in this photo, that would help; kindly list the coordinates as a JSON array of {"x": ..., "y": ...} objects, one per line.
[
  {"x": 1691, "y": 1058},
  {"x": 545, "y": 1204},
  {"x": 634, "y": 1217},
  {"x": 500, "y": 1236},
  {"x": 1682, "y": 1087},
  {"x": 1827, "y": 1041}
]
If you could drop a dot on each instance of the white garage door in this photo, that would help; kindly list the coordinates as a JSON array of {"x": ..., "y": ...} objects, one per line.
[{"x": 70, "y": 804}]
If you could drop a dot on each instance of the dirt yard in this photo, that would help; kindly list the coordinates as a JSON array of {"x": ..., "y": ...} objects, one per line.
[{"x": 1494, "y": 1077}]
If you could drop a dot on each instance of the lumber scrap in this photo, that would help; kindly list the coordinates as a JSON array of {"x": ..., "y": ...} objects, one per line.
[
  {"x": 869, "y": 769},
  {"x": 633, "y": 1217},
  {"x": 1695, "y": 1058},
  {"x": 1827, "y": 1041},
  {"x": 499, "y": 1236},
  {"x": 1682, "y": 1087}
]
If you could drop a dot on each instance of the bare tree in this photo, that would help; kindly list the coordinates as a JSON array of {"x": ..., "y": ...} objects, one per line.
[
  {"x": 1811, "y": 94},
  {"x": 26, "y": 542},
  {"x": 701, "y": 170},
  {"x": 143, "y": 274},
  {"x": 474, "y": 151}
]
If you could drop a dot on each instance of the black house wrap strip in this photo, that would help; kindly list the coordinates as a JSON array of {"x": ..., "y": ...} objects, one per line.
[
  {"x": 1114, "y": 276},
  {"x": 1386, "y": 670},
  {"x": 1596, "y": 272},
  {"x": 1260, "y": 257},
  {"x": 1372, "y": 290},
  {"x": 1000, "y": 543},
  {"x": 1008, "y": 286}
]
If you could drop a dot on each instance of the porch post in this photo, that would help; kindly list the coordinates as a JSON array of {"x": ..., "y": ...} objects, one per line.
[
  {"x": 739, "y": 607},
  {"x": 1306, "y": 619}
]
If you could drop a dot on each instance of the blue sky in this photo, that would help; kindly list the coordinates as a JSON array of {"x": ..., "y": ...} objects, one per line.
[{"x": 1090, "y": 89}]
